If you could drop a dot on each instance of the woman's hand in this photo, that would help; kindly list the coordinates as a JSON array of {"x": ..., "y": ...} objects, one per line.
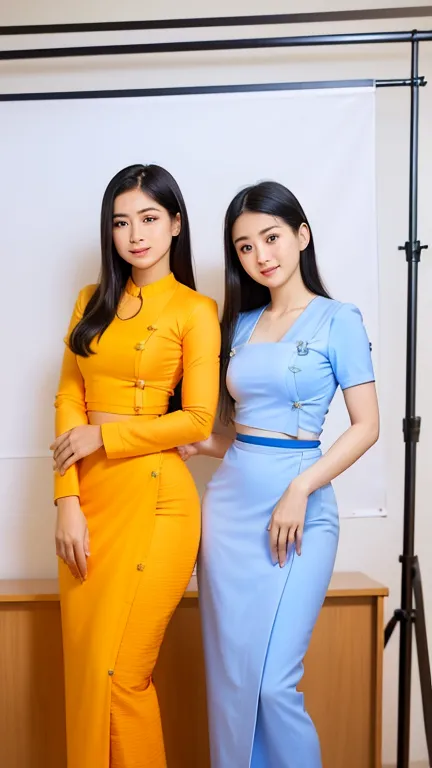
[
  {"x": 187, "y": 451},
  {"x": 215, "y": 446},
  {"x": 287, "y": 523},
  {"x": 72, "y": 536},
  {"x": 75, "y": 445}
]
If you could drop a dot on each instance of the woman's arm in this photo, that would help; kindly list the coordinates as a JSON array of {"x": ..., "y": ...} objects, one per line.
[
  {"x": 362, "y": 405},
  {"x": 215, "y": 447},
  {"x": 350, "y": 357},
  {"x": 70, "y": 408},
  {"x": 287, "y": 523},
  {"x": 71, "y": 535}
]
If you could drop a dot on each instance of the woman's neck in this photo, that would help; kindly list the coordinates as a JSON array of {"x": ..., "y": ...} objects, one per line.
[
  {"x": 292, "y": 295},
  {"x": 158, "y": 271}
]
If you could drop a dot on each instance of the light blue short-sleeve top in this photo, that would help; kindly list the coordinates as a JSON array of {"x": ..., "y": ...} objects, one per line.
[{"x": 287, "y": 386}]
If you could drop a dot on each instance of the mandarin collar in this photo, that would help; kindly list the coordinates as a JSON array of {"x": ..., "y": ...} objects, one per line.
[{"x": 163, "y": 285}]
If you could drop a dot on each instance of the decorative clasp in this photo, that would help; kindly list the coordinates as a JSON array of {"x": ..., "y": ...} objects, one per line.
[{"x": 302, "y": 348}]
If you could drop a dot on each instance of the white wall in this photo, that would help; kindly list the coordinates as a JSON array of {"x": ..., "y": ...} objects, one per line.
[{"x": 372, "y": 546}]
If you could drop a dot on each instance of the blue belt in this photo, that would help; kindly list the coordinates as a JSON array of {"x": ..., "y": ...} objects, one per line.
[{"x": 276, "y": 442}]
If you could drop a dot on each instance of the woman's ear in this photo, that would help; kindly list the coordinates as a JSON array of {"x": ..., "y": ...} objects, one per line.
[
  {"x": 304, "y": 236},
  {"x": 176, "y": 225}
]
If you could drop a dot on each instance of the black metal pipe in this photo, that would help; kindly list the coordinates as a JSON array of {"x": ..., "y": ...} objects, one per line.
[
  {"x": 301, "y": 41},
  {"x": 412, "y": 248},
  {"x": 398, "y": 82},
  {"x": 193, "y": 90},
  {"x": 320, "y": 17}
]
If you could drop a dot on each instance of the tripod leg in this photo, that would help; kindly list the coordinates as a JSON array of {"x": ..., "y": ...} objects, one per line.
[{"x": 423, "y": 655}]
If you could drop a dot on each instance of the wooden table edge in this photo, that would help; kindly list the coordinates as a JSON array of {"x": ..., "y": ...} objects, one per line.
[{"x": 46, "y": 590}]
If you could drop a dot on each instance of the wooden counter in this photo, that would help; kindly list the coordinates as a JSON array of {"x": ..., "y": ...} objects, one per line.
[{"x": 342, "y": 681}]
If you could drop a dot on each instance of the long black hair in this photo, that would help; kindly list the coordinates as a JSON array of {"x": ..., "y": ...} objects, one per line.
[
  {"x": 115, "y": 272},
  {"x": 242, "y": 293}
]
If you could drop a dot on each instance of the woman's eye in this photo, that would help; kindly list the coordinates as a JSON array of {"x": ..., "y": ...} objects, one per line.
[
  {"x": 119, "y": 224},
  {"x": 272, "y": 238},
  {"x": 149, "y": 219},
  {"x": 246, "y": 249}
]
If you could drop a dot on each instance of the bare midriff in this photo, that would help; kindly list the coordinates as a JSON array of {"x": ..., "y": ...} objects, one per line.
[
  {"x": 100, "y": 417},
  {"x": 302, "y": 434}
]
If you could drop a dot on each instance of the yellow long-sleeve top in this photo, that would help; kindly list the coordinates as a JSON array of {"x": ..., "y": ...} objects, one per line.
[{"x": 136, "y": 366}]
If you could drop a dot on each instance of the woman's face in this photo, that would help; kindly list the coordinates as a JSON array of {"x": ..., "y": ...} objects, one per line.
[
  {"x": 142, "y": 229},
  {"x": 268, "y": 249}
]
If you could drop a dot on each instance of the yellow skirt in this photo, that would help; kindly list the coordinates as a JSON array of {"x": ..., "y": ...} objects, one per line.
[{"x": 143, "y": 516}]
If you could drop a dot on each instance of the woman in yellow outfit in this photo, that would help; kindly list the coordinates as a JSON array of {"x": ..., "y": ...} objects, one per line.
[{"x": 128, "y": 513}]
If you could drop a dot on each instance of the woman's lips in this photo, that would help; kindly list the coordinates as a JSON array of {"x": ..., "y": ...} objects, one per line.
[{"x": 270, "y": 271}]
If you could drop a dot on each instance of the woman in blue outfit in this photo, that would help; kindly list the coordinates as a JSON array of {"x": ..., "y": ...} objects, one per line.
[{"x": 270, "y": 519}]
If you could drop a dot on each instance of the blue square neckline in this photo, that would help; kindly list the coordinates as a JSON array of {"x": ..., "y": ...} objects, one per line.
[{"x": 284, "y": 338}]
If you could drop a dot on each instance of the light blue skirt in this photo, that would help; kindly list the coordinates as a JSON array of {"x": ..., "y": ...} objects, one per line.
[{"x": 257, "y": 618}]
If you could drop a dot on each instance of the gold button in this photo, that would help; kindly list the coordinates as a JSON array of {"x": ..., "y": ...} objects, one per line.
[
  {"x": 110, "y": 672},
  {"x": 140, "y": 567},
  {"x": 151, "y": 328},
  {"x": 297, "y": 405},
  {"x": 232, "y": 353},
  {"x": 154, "y": 474},
  {"x": 140, "y": 384},
  {"x": 140, "y": 346}
]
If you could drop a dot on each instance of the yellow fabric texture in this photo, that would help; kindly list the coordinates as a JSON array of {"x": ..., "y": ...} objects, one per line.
[
  {"x": 136, "y": 734},
  {"x": 142, "y": 510}
]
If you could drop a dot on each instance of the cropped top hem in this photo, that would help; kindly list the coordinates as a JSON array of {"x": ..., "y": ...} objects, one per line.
[{"x": 124, "y": 410}]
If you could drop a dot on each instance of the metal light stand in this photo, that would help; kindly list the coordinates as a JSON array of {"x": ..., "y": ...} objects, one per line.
[{"x": 407, "y": 616}]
